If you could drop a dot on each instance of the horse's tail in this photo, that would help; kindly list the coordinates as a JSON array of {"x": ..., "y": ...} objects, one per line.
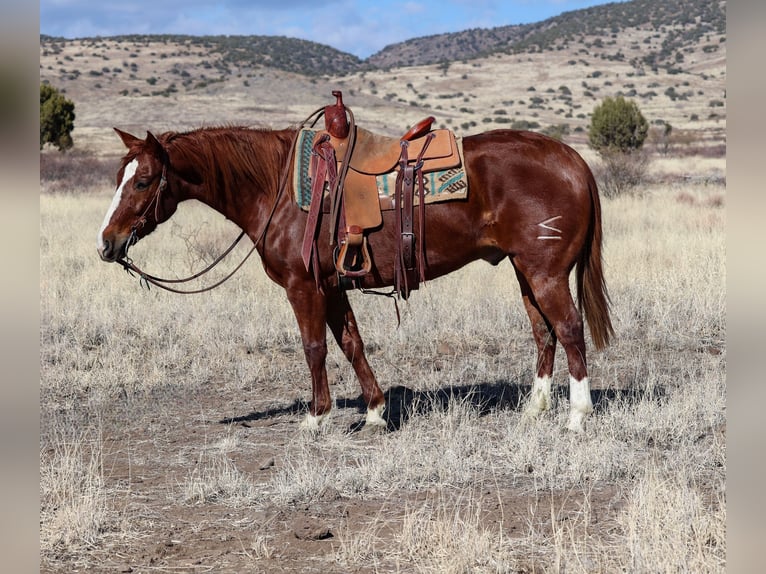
[{"x": 592, "y": 294}]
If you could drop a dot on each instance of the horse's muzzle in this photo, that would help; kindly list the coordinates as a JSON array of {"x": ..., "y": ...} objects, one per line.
[{"x": 109, "y": 252}]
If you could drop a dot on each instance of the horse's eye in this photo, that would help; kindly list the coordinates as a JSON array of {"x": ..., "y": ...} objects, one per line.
[{"x": 141, "y": 185}]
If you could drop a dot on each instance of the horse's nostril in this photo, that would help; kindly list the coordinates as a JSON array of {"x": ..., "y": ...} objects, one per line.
[{"x": 105, "y": 250}]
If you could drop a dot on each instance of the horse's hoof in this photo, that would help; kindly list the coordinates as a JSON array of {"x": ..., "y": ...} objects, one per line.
[
  {"x": 531, "y": 413},
  {"x": 576, "y": 422},
  {"x": 314, "y": 423},
  {"x": 375, "y": 417},
  {"x": 539, "y": 399},
  {"x": 368, "y": 430}
]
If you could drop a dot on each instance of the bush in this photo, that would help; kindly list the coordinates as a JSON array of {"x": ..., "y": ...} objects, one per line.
[
  {"x": 617, "y": 132},
  {"x": 620, "y": 173},
  {"x": 617, "y": 125},
  {"x": 56, "y": 118},
  {"x": 557, "y": 131}
]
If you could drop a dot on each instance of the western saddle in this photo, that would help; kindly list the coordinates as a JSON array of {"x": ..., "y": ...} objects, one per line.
[{"x": 345, "y": 161}]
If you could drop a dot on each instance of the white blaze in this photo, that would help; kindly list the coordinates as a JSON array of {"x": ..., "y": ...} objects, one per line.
[{"x": 130, "y": 171}]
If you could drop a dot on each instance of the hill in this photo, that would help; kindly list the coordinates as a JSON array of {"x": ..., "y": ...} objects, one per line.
[
  {"x": 668, "y": 56},
  {"x": 680, "y": 23}
]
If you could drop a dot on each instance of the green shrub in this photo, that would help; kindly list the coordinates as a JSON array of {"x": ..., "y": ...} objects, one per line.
[
  {"x": 617, "y": 125},
  {"x": 56, "y": 118}
]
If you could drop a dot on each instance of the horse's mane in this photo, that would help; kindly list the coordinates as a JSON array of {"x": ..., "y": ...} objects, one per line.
[{"x": 227, "y": 157}]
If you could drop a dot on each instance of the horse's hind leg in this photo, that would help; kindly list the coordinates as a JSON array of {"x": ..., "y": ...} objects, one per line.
[
  {"x": 545, "y": 339},
  {"x": 556, "y": 304},
  {"x": 342, "y": 323}
]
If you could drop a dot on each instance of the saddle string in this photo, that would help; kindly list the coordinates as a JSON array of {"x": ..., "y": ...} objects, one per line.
[{"x": 147, "y": 279}]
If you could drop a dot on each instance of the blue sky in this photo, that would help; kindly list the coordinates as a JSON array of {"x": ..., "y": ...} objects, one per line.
[{"x": 356, "y": 26}]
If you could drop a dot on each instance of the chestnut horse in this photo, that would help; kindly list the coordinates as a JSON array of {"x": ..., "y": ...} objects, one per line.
[{"x": 532, "y": 199}]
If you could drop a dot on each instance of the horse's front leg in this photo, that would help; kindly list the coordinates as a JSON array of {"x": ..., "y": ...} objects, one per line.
[
  {"x": 342, "y": 323},
  {"x": 310, "y": 308}
]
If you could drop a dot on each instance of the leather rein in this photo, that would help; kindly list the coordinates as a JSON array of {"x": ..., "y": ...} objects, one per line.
[{"x": 147, "y": 279}]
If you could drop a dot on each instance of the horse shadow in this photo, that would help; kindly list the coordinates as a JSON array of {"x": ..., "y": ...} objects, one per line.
[{"x": 403, "y": 403}]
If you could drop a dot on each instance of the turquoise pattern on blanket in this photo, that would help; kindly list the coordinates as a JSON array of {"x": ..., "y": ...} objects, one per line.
[
  {"x": 439, "y": 185},
  {"x": 302, "y": 165}
]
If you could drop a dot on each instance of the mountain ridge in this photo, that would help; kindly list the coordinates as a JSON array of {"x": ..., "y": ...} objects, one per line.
[
  {"x": 550, "y": 80},
  {"x": 681, "y": 21}
]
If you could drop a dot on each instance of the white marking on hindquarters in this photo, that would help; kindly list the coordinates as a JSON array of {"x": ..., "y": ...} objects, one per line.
[
  {"x": 545, "y": 225},
  {"x": 374, "y": 416},
  {"x": 130, "y": 171},
  {"x": 539, "y": 398},
  {"x": 580, "y": 404},
  {"x": 313, "y": 423}
]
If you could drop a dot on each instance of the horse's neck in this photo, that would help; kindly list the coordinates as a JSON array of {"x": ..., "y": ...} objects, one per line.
[{"x": 245, "y": 183}]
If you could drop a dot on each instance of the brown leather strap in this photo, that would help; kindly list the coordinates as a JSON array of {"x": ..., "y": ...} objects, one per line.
[
  {"x": 336, "y": 190},
  {"x": 409, "y": 268},
  {"x": 408, "y": 211},
  {"x": 403, "y": 222},
  {"x": 421, "y": 259},
  {"x": 323, "y": 167}
]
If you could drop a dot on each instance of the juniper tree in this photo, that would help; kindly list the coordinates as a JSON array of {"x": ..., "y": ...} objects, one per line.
[{"x": 56, "y": 118}]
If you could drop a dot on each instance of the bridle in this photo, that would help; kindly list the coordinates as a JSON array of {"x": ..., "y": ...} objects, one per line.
[
  {"x": 155, "y": 201},
  {"x": 145, "y": 279}
]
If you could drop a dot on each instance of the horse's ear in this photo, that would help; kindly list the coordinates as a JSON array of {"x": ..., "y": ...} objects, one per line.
[
  {"x": 128, "y": 139},
  {"x": 155, "y": 146}
]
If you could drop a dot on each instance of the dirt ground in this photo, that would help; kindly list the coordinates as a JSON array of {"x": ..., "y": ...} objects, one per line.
[{"x": 149, "y": 445}]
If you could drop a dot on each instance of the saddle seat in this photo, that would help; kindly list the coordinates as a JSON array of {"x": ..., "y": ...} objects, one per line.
[{"x": 376, "y": 154}]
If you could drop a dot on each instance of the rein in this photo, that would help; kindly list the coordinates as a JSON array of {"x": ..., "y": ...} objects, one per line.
[{"x": 147, "y": 279}]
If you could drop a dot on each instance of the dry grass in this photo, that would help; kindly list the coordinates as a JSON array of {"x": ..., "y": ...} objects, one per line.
[
  {"x": 461, "y": 485},
  {"x": 75, "y": 509}
]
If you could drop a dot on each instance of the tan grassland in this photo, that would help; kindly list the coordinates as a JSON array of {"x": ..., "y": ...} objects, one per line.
[
  {"x": 170, "y": 425},
  {"x": 170, "y": 437}
]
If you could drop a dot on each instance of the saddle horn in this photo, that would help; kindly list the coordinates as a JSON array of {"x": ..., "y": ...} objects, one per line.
[{"x": 335, "y": 120}]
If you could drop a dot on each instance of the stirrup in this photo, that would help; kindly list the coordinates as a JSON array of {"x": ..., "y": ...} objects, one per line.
[{"x": 353, "y": 259}]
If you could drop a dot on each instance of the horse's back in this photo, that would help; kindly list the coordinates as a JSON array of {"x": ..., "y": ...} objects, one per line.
[{"x": 525, "y": 156}]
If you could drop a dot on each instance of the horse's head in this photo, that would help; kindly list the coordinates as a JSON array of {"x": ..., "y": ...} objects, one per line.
[{"x": 142, "y": 199}]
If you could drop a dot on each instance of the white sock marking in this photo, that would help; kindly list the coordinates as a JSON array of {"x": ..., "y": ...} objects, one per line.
[
  {"x": 580, "y": 404},
  {"x": 130, "y": 171},
  {"x": 374, "y": 416},
  {"x": 313, "y": 423},
  {"x": 540, "y": 398}
]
